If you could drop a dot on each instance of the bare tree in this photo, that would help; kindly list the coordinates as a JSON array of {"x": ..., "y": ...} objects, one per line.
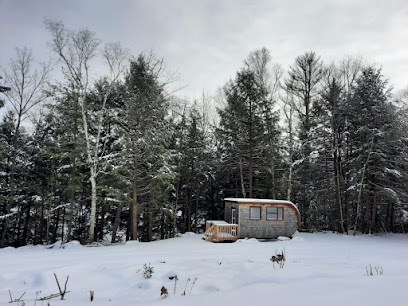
[
  {"x": 258, "y": 61},
  {"x": 25, "y": 90},
  {"x": 26, "y": 84},
  {"x": 208, "y": 113},
  {"x": 267, "y": 74},
  {"x": 303, "y": 82},
  {"x": 76, "y": 49},
  {"x": 348, "y": 69}
]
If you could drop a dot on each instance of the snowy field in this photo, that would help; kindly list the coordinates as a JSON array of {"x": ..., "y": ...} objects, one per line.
[{"x": 321, "y": 269}]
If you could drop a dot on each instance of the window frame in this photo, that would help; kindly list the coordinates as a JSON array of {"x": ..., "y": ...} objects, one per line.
[
  {"x": 277, "y": 213},
  {"x": 260, "y": 213}
]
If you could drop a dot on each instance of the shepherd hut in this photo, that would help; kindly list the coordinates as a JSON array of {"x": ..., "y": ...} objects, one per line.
[{"x": 254, "y": 218}]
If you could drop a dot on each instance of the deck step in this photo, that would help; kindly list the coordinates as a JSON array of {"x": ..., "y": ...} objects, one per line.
[{"x": 219, "y": 230}]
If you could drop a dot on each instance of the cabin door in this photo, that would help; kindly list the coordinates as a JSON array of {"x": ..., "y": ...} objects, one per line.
[
  {"x": 233, "y": 220},
  {"x": 233, "y": 215}
]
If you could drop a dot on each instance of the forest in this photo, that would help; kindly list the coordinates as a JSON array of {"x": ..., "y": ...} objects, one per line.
[{"x": 121, "y": 156}]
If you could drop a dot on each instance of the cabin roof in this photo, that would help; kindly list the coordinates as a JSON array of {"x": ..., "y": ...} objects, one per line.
[
  {"x": 257, "y": 201},
  {"x": 265, "y": 201}
]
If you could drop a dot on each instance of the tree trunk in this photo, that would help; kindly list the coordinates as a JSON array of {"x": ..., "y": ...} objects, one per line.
[
  {"x": 116, "y": 223},
  {"x": 92, "y": 159},
  {"x": 251, "y": 148},
  {"x": 185, "y": 213},
  {"x": 47, "y": 234},
  {"x": 374, "y": 212},
  {"x": 175, "y": 212},
  {"x": 337, "y": 175},
  {"x": 250, "y": 172},
  {"x": 196, "y": 212},
  {"x": 162, "y": 226},
  {"x": 129, "y": 223},
  {"x": 35, "y": 226},
  {"x": 42, "y": 222},
  {"x": 4, "y": 233},
  {"x": 134, "y": 204},
  {"x": 150, "y": 215},
  {"x": 392, "y": 219},
  {"x": 189, "y": 206},
  {"x": 289, "y": 117},
  {"x": 102, "y": 222},
  {"x": 358, "y": 212},
  {"x": 18, "y": 242},
  {"x": 26, "y": 223},
  {"x": 69, "y": 218},
  {"x": 368, "y": 213},
  {"x": 56, "y": 222},
  {"x": 273, "y": 180},
  {"x": 241, "y": 172},
  {"x": 72, "y": 187},
  {"x": 133, "y": 226},
  {"x": 63, "y": 224},
  {"x": 289, "y": 192},
  {"x": 8, "y": 203},
  {"x": 92, "y": 220}
]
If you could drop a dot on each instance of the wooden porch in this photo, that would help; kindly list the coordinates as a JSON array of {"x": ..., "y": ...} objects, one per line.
[{"x": 217, "y": 231}]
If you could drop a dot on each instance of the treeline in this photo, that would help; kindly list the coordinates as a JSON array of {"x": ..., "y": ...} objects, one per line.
[{"x": 123, "y": 157}]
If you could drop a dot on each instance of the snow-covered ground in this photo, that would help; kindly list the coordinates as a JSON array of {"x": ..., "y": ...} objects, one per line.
[{"x": 321, "y": 269}]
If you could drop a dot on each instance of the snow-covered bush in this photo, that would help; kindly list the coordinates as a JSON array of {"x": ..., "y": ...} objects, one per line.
[
  {"x": 378, "y": 270},
  {"x": 148, "y": 271}
]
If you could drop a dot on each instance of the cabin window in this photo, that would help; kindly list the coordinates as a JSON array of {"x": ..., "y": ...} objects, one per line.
[
  {"x": 255, "y": 213},
  {"x": 274, "y": 213}
]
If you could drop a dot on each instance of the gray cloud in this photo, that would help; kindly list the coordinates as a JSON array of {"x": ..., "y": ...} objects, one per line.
[{"x": 206, "y": 41}]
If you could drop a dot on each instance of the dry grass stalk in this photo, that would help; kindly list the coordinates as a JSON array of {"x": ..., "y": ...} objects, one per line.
[
  {"x": 184, "y": 292},
  {"x": 18, "y": 300}
]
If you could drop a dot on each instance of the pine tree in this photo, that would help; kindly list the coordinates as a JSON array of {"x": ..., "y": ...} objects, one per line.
[
  {"x": 371, "y": 124},
  {"x": 14, "y": 163},
  {"x": 146, "y": 134},
  {"x": 248, "y": 137},
  {"x": 3, "y": 89},
  {"x": 303, "y": 84},
  {"x": 193, "y": 164}
]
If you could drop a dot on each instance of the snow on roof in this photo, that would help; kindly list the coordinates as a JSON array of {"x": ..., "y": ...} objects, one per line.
[
  {"x": 265, "y": 201},
  {"x": 219, "y": 222},
  {"x": 249, "y": 200}
]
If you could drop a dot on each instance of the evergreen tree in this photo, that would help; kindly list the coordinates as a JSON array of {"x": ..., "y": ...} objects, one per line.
[
  {"x": 3, "y": 89},
  {"x": 14, "y": 163},
  {"x": 371, "y": 124},
  {"x": 65, "y": 118},
  {"x": 146, "y": 136},
  {"x": 193, "y": 166},
  {"x": 248, "y": 137},
  {"x": 304, "y": 83}
]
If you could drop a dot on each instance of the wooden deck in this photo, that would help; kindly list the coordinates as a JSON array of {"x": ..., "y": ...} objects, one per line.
[{"x": 217, "y": 231}]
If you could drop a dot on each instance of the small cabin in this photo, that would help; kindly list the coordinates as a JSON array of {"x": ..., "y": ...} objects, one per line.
[{"x": 254, "y": 218}]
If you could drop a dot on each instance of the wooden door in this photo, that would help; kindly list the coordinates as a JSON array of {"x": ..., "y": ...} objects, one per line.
[{"x": 233, "y": 215}]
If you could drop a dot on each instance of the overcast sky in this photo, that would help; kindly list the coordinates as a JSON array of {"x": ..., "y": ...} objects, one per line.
[{"x": 206, "y": 41}]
